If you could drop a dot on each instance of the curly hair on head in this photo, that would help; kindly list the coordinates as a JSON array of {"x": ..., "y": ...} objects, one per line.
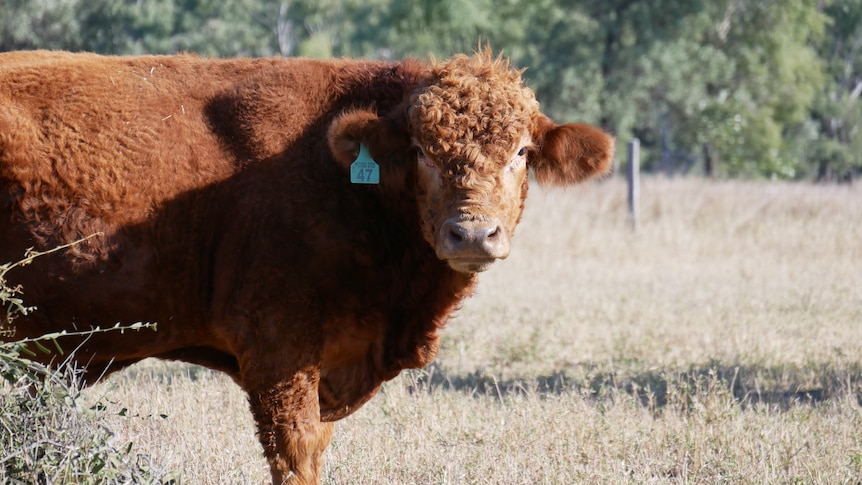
[{"x": 472, "y": 105}]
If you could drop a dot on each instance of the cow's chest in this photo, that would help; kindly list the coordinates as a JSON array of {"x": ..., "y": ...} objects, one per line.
[{"x": 350, "y": 371}]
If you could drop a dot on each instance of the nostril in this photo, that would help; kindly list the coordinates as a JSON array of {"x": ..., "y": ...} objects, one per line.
[
  {"x": 455, "y": 234},
  {"x": 492, "y": 234}
]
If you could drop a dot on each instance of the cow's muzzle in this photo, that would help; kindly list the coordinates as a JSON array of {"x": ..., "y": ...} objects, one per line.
[{"x": 470, "y": 246}]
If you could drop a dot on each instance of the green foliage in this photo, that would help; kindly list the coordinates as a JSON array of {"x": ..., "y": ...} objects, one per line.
[
  {"x": 767, "y": 88},
  {"x": 38, "y": 24},
  {"x": 837, "y": 112},
  {"x": 47, "y": 435}
]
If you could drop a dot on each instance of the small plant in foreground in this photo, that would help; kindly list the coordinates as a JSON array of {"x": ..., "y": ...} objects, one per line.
[{"x": 46, "y": 434}]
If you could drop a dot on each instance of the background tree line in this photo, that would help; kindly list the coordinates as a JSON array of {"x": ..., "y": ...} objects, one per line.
[{"x": 755, "y": 88}]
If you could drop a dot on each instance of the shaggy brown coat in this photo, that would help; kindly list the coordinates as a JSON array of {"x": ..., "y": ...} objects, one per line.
[{"x": 225, "y": 213}]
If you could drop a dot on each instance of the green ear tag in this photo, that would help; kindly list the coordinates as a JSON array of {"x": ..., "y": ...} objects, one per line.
[{"x": 364, "y": 170}]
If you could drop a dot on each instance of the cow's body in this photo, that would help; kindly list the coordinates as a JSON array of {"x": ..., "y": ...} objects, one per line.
[{"x": 227, "y": 216}]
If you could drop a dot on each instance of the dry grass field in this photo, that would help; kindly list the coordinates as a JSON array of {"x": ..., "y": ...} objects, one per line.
[{"x": 720, "y": 343}]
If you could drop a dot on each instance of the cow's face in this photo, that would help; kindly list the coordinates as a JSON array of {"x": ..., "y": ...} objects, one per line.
[
  {"x": 469, "y": 208},
  {"x": 472, "y": 134},
  {"x": 475, "y": 130}
]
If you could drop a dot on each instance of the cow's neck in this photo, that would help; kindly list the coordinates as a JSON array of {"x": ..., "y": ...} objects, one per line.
[
  {"x": 426, "y": 291},
  {"x": 425, "y": 307},
  {"x": 413, "y": 297}
]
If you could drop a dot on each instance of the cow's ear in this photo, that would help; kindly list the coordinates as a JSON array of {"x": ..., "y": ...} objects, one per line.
[
  {"x": 380, "y": 135},
  {"x": 347, "y": 131},
  {"x": 571, "y": 153}
]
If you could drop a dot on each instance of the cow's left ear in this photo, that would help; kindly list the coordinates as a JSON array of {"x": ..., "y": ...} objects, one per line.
[
  {"x": 385, "y": 138},
  {"x": 569, "y": 153}
]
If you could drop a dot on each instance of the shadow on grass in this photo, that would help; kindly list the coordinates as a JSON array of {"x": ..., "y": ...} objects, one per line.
[{"x": 778, "y": 387}]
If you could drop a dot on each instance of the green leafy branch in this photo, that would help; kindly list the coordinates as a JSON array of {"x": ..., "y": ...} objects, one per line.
[
  {"x": 15, "y": 305},
  {"x": 14, "y": 365}
]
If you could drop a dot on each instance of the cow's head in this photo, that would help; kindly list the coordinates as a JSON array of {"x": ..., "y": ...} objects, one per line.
[{"x": 473, "y": 130}]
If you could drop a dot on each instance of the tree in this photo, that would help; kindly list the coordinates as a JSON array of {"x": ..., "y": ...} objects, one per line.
[
  {"x": 836, "y": 116},
  {"x": 207, "y": 27},
  {"x": 776, "y": 76},
  {"x": 38, "y": 24}
]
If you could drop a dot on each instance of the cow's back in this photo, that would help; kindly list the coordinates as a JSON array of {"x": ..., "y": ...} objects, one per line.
[{"x": 112, "y": 136}]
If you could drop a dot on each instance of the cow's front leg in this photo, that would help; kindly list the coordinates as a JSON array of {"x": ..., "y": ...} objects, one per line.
[{"x": 290, "y": 430}]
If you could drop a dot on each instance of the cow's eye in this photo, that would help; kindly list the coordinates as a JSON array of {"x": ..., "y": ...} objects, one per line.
[
  {"x": 422, "y": 157},
  {"x": 519, "y": 159}
]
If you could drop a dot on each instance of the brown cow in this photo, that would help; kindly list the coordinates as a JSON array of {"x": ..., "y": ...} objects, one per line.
[{"x": 232, "y": 216}]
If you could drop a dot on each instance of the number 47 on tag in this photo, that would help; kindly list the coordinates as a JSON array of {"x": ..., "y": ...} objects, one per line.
[{"x": 364, "y": 170}]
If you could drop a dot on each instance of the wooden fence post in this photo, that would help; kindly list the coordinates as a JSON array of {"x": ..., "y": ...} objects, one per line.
[{"x": 633, "y": 176}]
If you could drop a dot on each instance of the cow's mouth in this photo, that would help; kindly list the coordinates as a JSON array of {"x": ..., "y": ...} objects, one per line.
[{"x": 470, "y": 265}]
